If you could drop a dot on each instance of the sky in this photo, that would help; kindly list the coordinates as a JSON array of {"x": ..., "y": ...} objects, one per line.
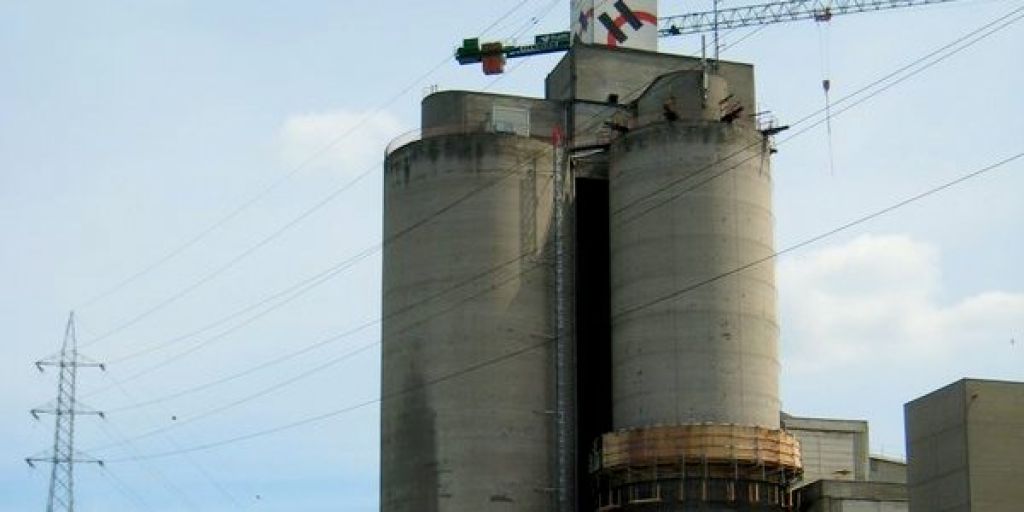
[{"x": 171, "y": 169}]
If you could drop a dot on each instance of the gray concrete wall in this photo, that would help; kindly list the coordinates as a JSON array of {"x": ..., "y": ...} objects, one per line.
[
  {"x": 869, "y": 506},
  {"x": 468, "y": 322},
  {"x": 936, "y": 433},
  {"x": 711, "y": 354},
  {"x": 831, "y": 449},
  {"x": 558, "y": 85},
  {"x": 465, "y": 111},
  {"x": 588, "y": 76},
  {"x": 843, "y": 496},
  {"x": 588, "y": 120},
  {"x": 591, "y": 73},
  {"x": 884, "y": 469},
  {"x": 995, "y": 444},
  {"x": 686, "y": 94},
  {"x": 456, "y": 440},
  {"x": 965, "y": 444}
]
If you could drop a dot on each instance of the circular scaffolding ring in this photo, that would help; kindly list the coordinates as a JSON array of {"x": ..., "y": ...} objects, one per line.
[{"x": 741, "y": 467}]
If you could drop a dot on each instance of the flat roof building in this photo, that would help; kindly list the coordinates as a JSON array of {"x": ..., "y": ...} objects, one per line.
[
  {"x": 887, "y": 469},
  {"x": 847, "y": 496},
  {"x": 831, "y": 449},
  {"x": 965, "y": 448}
]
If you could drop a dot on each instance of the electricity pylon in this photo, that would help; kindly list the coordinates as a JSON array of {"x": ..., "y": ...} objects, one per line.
[{"x": 63, "y": 457}]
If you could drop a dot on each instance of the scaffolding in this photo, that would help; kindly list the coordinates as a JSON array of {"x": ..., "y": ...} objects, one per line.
[{"x": 692, "y": 467}]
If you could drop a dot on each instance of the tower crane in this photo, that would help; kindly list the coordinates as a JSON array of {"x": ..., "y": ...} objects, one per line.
[
  {"x": 492, "y": 55},
  {"x": 776, "y": 12}
]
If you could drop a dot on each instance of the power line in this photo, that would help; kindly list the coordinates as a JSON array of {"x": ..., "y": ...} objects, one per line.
[
  {"x": 210, "y": 276},
  {"x": 332, "y": 362},
  {"x": 316, "y": 279},
  {"x": 308, "y": 348},
  {"x": 400, "y": 233},
  {"x": 919, "y": 60},
  {"x": 324, "y": 275},
  {"x": 538, "y": 15},
  {"x": 509, "y": 355},
  {"x": 202, "y": 470},
  {"x": 174, "y": 395},
  {"x": 181, "y": 422},
  {"x": 111, "y": 432},
  {"x": 205, "y": 386},
  {"x": 788, "y": 249},
  {"x": 245, "y": 205},
  {"x": 999, "y": 23},
  {"x": 793, "y": 248},
  {"x": 290, "y": 293},
  {"x": 231, "y": 263},
  {"x": 500, "y": 19},
  {"x": 444, "y": 209},
  {"x": 123, "y": 489},
  {"x": 259, "y": 195},
  {"x": 290, "y": 174},
  {"x": 321, "y": 417},
  {"x": 822, "y": 236}
]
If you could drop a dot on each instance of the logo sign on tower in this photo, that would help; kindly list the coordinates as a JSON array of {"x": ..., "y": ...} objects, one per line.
[{"x": 616, "y": 23}]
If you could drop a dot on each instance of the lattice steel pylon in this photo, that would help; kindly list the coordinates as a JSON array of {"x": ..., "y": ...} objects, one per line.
[{"x": 63, "y": 456}]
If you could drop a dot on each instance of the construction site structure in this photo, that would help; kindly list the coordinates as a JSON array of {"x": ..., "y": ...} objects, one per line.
[
  {"x": 635, "y": 24},
  {"x": 468, "y": 285},
  {"x": 621, "y": 400},
  {"x": 694, "y": 376},
  {"x": 579, "y": 290}
]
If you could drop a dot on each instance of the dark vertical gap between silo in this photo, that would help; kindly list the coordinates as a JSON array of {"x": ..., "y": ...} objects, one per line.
[{"x": 593, "y": 328}]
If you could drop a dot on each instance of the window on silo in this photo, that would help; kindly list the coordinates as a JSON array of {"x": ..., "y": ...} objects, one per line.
[{"x": 511, "y": 120}]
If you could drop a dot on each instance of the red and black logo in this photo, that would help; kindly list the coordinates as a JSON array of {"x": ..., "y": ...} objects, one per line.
[{"x": 635, "y": 19}]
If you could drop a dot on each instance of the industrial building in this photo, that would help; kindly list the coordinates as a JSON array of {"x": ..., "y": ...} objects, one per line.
[
  {"x": 579, "y": 303},
  {"x": 965, "y": 448},
  {"x": 832, "y": 449},
  {"x": 851, "y": 496},
  {"x": 559, "y": 255}
]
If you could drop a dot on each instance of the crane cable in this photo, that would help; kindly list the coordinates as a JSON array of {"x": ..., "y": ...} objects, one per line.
[
  {"x": 891, "y": 75},
  {"x": 830, "y": 233},
  {"x": 823, "y": 20},
  {"x": 527, "y": 348},
  {"x": 331, "y": 197}
]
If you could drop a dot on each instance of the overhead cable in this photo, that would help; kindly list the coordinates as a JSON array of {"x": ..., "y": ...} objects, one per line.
[
  {"x": 245, "y": 205},
  {"x": 524, "y": 349}
]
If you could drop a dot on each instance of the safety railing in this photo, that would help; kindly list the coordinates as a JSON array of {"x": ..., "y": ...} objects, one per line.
[{"x": 416, "y": 135}]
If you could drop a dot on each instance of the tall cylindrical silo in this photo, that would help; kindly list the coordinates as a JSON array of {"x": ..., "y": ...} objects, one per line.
[
  {"x": 468, "y": 310},
  {"x": 695, "y": 366},
  {"x": 711, "y": 353}
]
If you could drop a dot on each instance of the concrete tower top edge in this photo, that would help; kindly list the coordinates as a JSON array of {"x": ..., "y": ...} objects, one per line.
[
  {"x": 962, "y": 384},
  {"x": 596, "y": 73},
  {"x": 461, "y": 112},
  {"x": 588, "y": 86}
]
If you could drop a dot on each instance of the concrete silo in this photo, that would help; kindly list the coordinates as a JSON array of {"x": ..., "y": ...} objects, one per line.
[
  {"x": 694, "y": 340},
  {"x": 635, "y": 368},
  {"x": 468, "y": 282}
]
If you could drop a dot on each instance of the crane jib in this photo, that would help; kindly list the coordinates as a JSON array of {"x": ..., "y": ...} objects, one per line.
[
  {"x": 775, "y": 12},
  {"x": 472, "y": 51}
]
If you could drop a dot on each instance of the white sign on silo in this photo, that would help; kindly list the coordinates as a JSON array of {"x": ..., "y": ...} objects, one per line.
[{"x": 616, "y": 23}]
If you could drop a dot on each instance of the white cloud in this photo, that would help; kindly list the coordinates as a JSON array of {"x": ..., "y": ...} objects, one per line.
[
  {"x": 343, "y": 142},
  {"x": 877, "y": 301},
  {"x": 870, "y": 325}
]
